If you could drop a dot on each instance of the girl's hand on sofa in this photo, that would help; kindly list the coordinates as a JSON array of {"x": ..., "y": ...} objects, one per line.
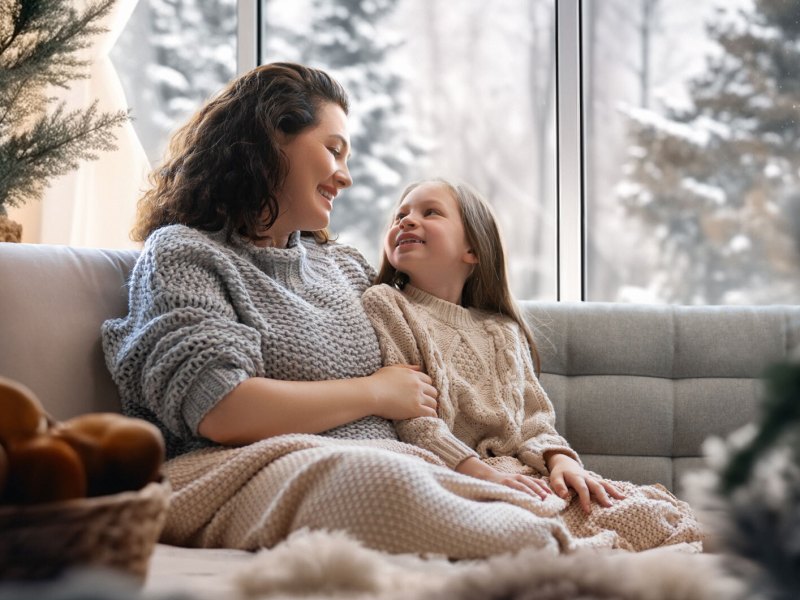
[
  {"x": 567, "y": 473},
  {"x": 475, "y": 467},
  {"x": 402, "y": 392}
]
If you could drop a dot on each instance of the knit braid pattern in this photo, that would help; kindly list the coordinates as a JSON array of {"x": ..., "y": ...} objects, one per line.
[
  {"x": 490, "y": 402},
  {"x": 206, "y": 314},
  {"x": 492, "y": 405}
]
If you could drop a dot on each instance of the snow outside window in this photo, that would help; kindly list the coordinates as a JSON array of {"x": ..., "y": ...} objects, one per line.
[
  {"x": 460, "y": 89},
  {"x": 692, "y": 144},
  {"x": 172, "y": 56}
]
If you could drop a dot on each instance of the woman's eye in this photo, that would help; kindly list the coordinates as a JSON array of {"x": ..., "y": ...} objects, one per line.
[{"x": 335, "y": 151}]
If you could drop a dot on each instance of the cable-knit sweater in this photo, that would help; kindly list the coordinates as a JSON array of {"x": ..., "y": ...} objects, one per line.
[
  {"x": 490, "y": 402},
  {"x": 204, "y": 315}
]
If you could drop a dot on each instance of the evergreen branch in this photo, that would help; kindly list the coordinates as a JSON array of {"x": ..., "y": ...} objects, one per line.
[
  {"x": 48, "y": 33},
  {"x": 53, "y": 146},
  {"x": 781, "y": 410}
]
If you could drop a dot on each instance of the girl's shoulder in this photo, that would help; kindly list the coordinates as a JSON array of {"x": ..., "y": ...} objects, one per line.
[
  {"x": 383, "y": 291},
  {"x": 384, "y": 299}
]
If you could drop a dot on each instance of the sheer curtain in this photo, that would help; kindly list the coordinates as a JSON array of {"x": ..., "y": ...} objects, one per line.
[{"x": 95, "y": 204}]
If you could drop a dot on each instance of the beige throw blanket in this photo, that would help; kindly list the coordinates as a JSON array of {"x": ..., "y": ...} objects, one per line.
[{"x": 397, "y": 498}]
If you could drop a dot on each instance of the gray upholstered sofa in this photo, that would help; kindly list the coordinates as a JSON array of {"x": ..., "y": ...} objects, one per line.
[{"x": 636, "y": 388}]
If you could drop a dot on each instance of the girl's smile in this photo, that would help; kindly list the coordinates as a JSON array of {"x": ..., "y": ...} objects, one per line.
[{"x": 427, "y": 242}]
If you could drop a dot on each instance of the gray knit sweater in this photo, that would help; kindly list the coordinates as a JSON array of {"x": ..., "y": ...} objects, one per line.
[{"x": 204, "y": 315}]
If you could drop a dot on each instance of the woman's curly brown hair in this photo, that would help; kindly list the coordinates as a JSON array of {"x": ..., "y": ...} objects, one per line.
[{"x": 224, "y": 167}]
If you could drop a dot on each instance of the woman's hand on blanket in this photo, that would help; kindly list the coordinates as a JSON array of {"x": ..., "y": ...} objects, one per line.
[
  {"x": 565, "y": 473},
  {"x": 403, "y": 392},
  {"x": 475, "y": 467}
]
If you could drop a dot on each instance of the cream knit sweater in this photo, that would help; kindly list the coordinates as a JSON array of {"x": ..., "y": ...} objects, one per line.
[{"x": 491, "y": 404}]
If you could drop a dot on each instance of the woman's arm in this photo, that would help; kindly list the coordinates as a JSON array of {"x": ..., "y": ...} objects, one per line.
[{"x": 259, "y": 408}]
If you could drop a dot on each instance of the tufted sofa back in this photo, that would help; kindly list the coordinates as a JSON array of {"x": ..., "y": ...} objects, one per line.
[{"x": 636, "y": 388}]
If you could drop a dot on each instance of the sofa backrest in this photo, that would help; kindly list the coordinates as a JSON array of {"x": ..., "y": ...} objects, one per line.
[
  {"x": 53, "y": 300},
  {"x": 638, "y": 388}
]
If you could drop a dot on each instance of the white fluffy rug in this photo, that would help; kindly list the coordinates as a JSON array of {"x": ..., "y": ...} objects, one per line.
[{"x": 330, "y": 565}]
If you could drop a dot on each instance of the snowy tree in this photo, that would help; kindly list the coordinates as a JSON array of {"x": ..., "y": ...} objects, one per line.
[
  {"x": 174, "y": 55},
  {"x": 345, "y": 37},
  {"x": 717, "y": 183}
]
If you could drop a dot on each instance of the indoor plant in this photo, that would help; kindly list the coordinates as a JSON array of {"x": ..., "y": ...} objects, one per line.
[{"x": 40, "y": 46}]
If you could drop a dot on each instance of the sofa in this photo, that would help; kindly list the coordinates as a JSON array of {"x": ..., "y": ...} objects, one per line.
[{"x": 636, "y": 388}]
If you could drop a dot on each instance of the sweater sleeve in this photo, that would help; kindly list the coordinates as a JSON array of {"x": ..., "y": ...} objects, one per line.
[
  {"x": 181, "y": 348},
  {"x": 399, "y": 346},
  {"x": 538, "y": 426}
]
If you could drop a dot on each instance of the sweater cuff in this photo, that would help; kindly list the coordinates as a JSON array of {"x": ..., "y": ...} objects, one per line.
[
  {"x": 453, "y": 451},
  {"x": 206, "y": 391}
]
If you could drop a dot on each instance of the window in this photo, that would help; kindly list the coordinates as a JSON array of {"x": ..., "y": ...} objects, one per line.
[
  {"x": 634, "y": 150},
  {"x": 173, "y": 55},
  {"x": 467, "y": 94},
  {"x": 691, "y": 127}
]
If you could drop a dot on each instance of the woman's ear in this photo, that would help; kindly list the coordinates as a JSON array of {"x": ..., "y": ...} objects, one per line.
[{"x": 470, "y": 257}]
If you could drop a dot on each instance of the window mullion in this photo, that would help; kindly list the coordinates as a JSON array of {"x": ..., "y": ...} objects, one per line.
[
  {"x": 570, "y": 214},
  {"x": 246, "y": 35}
]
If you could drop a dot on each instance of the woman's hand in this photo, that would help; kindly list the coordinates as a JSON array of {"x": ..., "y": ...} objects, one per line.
[
  {"x": 403, "y": 392},
  {"x": 475, "y": 467},
  {"x": 567, "y": 473}
]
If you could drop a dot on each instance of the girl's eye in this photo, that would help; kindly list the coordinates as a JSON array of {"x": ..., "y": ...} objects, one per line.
[
  {"x": 399, "y": 217},
  {"x": 335, "y": 151},
  {"x": 431, "y": 211}
]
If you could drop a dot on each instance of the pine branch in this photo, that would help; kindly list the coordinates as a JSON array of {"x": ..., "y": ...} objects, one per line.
[
  {"x": 40, "y": 41},
  {"x": 54, "y": 146}
]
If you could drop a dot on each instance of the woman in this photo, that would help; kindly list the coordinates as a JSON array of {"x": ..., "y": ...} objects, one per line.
[{"x": 245, "y": 340}]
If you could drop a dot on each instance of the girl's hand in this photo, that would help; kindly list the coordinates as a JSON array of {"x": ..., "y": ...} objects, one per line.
[
  {"x": 475, "y": 467},
  {"x": 566, "y": 473},
  {"x": 402, "y": 392}
]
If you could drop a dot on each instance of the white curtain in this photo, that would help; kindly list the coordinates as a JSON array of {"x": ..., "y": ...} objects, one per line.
[{"x": 95, "y": 205}]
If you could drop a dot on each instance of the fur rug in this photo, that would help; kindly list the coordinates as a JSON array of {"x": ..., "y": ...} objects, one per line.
[{"x": 316, "y": 565}]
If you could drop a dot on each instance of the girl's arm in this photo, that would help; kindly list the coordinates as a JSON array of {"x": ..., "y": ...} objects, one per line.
[
  {"x": 398, "y": 343},
  {"x": 544, "y": 447},
  {"x": 259, "y": 408}
]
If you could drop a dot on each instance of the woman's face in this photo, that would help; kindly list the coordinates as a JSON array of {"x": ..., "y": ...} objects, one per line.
[{"x": 317, "y": 171}]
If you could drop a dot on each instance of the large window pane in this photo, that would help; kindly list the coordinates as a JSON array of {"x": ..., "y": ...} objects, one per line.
[
  {"x": 692, "y": 129},
  {"x": 462, "y": 90},
  {"x": 171, "y": 57}
]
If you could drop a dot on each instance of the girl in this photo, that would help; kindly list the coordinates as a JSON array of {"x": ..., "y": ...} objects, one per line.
[{"x": 444, "y": 304}]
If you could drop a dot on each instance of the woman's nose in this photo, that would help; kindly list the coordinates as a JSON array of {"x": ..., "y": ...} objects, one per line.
[{"x": 343, "y": 179}]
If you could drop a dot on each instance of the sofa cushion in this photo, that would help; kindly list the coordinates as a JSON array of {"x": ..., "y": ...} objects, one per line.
[
  {"x": 638, "y": 388},
  {"x": 53, "y": 301}
]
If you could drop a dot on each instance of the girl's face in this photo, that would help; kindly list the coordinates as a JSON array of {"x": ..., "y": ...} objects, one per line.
[
  {"x": 426, "y": 240},
  {"x": 317, "y": 171}
]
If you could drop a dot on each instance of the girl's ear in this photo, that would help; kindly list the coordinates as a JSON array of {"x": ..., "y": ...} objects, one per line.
[{"x": 470, "y": 257}]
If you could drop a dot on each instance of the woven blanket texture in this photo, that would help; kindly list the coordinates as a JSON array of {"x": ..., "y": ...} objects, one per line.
[{"x": 397, "y": 498}]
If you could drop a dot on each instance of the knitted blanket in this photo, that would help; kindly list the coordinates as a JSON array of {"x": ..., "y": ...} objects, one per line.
[{"x": 396, "y": 498}]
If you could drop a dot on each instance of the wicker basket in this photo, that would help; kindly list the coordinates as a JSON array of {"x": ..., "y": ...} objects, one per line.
[{"x": 118, "y": 531}]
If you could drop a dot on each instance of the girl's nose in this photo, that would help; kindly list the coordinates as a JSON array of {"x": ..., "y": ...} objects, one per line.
[{"x": 407, "y": 222}]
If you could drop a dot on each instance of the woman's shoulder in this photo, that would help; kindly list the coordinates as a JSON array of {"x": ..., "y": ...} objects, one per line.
[
  {"x": 175, "y": 237},
  {"x": 175, "y": 249},
  {"x": 343, "y": 255}
]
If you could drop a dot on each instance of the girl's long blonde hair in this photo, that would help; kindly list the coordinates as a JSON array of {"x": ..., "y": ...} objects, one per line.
[{"x": 487, "y": 286}]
